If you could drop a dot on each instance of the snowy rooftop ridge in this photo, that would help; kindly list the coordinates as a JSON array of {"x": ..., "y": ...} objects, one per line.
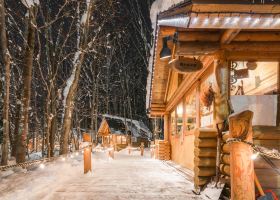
[
  {"x": 157, "y": 7},
  {"x": 138, "y": 124}
]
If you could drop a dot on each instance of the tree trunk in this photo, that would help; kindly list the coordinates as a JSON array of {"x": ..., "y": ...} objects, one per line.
[
  {"x": 27, "y": 77},
  {"x": 7, "y": 63},
  {"x": 53, "y": 122},
  {"x": 70, "y": 90}
]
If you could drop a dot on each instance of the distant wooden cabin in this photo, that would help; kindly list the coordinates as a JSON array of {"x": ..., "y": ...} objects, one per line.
[
  {"x": 238, "y": 44},
  {"x": 121, "y": 132}
]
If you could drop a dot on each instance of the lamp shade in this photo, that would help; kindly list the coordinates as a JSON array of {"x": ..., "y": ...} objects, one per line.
[{"x": 165, "y": 51}]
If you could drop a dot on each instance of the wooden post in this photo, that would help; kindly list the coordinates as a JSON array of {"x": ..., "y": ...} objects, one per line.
[
  {"x": 221, "y": 68},
  {"x": 87, "y": 153},
  {"x": 152, "y": 149},
  {"x": 166, "y": 127},
  {"x": 129, "y": 149},
  {"x": 142, "y": 148},
  {"x": 241, "y": 164}
]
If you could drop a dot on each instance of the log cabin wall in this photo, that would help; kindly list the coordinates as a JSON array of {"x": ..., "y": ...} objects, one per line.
[
  {"x": 217, "y": 45},
  {"x": 268, "y": 137}
]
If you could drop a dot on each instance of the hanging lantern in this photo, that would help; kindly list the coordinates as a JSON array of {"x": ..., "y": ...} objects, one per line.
[{"x": 185, "y": 64}]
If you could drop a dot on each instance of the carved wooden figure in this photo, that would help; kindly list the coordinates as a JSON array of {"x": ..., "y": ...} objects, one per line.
[{"x": 241, "y": 164}]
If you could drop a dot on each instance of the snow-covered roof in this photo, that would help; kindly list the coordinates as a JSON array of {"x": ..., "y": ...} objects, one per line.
[
  {"x": 137, "y": 128},
  {"x": 157, "y": 7}
]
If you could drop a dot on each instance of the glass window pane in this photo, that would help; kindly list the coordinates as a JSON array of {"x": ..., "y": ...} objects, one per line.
[
  {"x": 190, "y": 111},
  {"x": 253, "y": 78},
  {"x": 179, "y": 112},
  {"x": 206, "y": 101},
  {"x": 173, "y": 123}
]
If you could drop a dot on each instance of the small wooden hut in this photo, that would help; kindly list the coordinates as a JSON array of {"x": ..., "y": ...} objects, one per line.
[
  {"x": 207, "y": 53},
  {"x": 121, "y": 132}
]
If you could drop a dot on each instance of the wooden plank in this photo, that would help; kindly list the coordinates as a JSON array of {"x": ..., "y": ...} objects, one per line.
[
  {"x": 253, "y": 55},
  {"x": 205, "y": 142},
  {"x": 252, "y": 46},
  {"x": 197, "y": 48},
  {"x": 204, "y": 171},
  {"x": 198, "y": 36},
  {"x": 204, "y": 133},
  {"x": 235, "y": 7},
  {"x": 205, "y": 152},
  {"x": 271, "y": 36},
  {"x": 204, "y": 162},
  {"x": 229, "y": 35}
]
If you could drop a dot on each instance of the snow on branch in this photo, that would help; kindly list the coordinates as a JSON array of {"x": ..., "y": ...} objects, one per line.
[{"x": 30, "y": 3}]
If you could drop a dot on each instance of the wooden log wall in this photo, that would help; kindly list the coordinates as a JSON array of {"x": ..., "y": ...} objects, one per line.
[
  {"x": 205, "y": 151},
  {"x": 268, "y": 137},
  {"x": 162, "y": 150}
]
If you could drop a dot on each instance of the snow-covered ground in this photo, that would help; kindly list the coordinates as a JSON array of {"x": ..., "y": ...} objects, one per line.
[{"x": 125, "y": 177}]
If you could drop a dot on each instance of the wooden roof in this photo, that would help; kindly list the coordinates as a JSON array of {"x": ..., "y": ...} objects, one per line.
[{"x": 204, "y": 43}]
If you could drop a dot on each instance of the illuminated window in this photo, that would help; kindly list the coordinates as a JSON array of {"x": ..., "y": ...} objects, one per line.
[
  {"x": 190, "y": 122},
  {"x": 123, "y": 139},
  {"x": 179, "y": 120},
  {"x": 173, "y": 123},
  {"x": 253, "y": 78},
  {"x": 206, "y": 101}
]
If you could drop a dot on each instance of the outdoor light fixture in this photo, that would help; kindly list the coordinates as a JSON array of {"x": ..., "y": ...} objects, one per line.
[
  {"x": 254, "y": 156},
  {"x": 165, "y": 51}
]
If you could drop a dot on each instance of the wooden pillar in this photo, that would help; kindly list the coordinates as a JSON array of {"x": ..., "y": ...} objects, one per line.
[
  {"x": 142, "y": 148},
  {"x": 241, "y": 164},
  {"x": 129, "y": 149},
  {"x": 87, "y": 153},
  {"x": 221, "y": 70},
  {"x": 87, "y": 160},
  {"x": 166, "y": 127}
]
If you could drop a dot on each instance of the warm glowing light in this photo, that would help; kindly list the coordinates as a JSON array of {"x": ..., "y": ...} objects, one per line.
[
  {"x": 235, "y": 20},
  {"x": 63, "y": 159},
  {"x": 71, "y": 156},
  {"x": 268, "y": 21},
  {"x": 206, "y": 21},
  {"x": 215, "y": 20},
  {"x": 82, "y": 151},
  {"x": 247, "y": 20},
  {"x": 77, "y": 153},
  {"x": 276, "y": 22},
  {"x": 255, "y": 22},
  {"x": 195, "y": 20},
  {"x": 254, "y": 156},
  {"x": 42, "y": 166},
  {"x": 180, "y": 110},
  {"x": 227, "y": 20}
]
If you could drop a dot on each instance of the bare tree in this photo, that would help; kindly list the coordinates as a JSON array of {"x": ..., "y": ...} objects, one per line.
[
  {"x": 7, "y": 63},
  {"x": 72, "y": 82},
  {"x": 27, "y": 77}
]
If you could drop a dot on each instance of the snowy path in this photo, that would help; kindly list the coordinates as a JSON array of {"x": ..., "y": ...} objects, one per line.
[{"x": 127, "y": 177}]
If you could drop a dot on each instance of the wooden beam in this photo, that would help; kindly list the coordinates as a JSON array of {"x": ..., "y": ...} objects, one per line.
[
  {"x": 197, "y": 48},
  {"x": 235, "y": 7},
  {"x": 262, "y": 36},
  {"x": 221, "y": 69},
  {"x": 253, "y": 55},
  {"x": 166, "y": 127},
  {"x": 204, "y": 48},
  {"x": 229, "y": 35},
  {"x": 199, "y": 36},
  {"x": 167, "y": 85},
  {"x": 252, "y": 46}
]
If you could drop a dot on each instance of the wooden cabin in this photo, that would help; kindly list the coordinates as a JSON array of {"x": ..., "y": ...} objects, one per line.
[
  {"x": 121, "y": 132},
  {"x": 219, "y": 52}
]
